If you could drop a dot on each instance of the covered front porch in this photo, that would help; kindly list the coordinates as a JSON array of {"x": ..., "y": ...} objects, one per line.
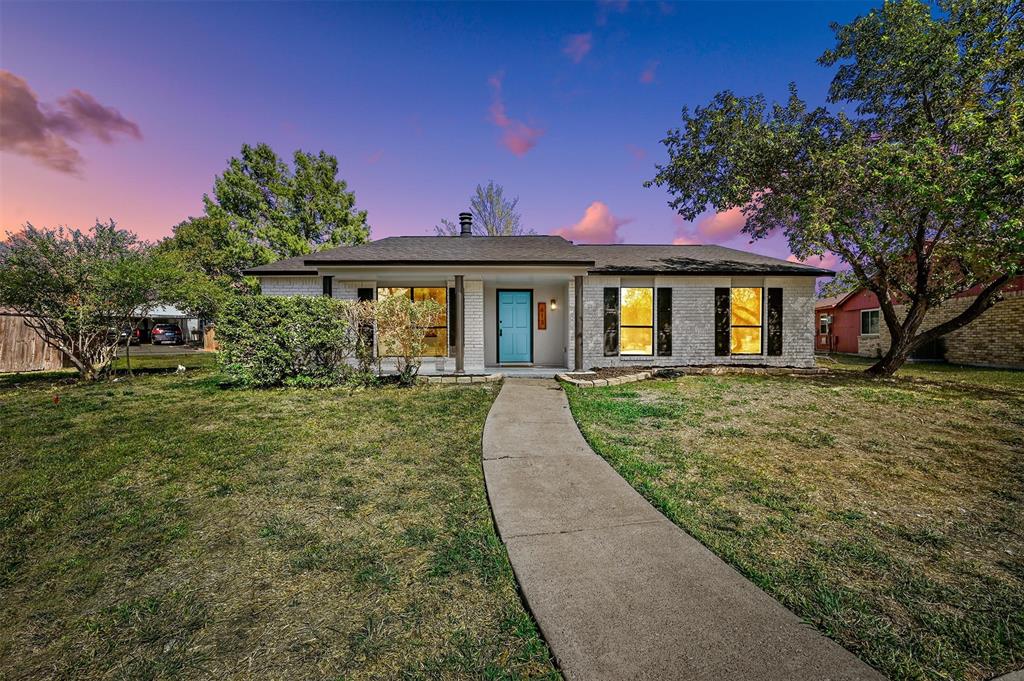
[
  {"x": 527, "y": 323},
  {"x": 516, "y": 321}
]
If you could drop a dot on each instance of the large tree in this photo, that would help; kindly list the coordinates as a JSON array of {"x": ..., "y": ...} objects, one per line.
[
  {"x": 78, "y": 290},
  {"x": 919, "y": 189},
  {"x": 262, "y": 210},
  {"x": 493, "y": 214}
]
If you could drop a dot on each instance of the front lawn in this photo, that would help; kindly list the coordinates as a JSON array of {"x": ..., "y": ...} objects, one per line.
[
  {"x": 890, "y": 514},
  {"x": 164, "y": 526}
]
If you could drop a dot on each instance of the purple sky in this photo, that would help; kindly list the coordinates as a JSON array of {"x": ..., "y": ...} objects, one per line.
[{"x": 129, "y": 110}]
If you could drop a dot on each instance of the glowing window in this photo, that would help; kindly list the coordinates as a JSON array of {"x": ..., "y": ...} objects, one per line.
[
  {"x": 745, "y": 318},
  {"x": 436, "y": 340},
  {"x": 636, "y": 326}
]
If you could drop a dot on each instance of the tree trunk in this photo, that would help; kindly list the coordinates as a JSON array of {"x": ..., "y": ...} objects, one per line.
[
  {"x": 892, "y": 360},
  {"x": 905, "y": 337}
]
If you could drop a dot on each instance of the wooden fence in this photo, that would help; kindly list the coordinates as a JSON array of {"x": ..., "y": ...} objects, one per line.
[{"x": 21, "y": 349}]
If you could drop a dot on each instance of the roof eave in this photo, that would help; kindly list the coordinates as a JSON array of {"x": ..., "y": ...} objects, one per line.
[
  {"x": 434, "y": 263},
  {"x": 711, "y": 273},
  {"x": 277, "y": 273}
]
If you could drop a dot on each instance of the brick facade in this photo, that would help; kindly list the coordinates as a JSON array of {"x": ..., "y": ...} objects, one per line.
[
  {"x": 693, "y": 321},
  {"x": 996, "y": 338}
]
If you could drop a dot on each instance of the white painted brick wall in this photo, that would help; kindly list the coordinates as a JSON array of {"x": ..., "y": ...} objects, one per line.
[
  {"x": 693, "y": 323},
  {"x": 291, "y": 286},
  {"x": 474, "y": 333},
  {"x": 570, "y": 325}
]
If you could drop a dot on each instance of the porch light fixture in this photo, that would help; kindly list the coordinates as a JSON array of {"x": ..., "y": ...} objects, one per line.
[{"x": 554, "y": 304}]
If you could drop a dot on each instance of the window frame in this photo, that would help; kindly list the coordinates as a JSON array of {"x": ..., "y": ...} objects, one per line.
[
  {"x": 447, "y": 348},
  {"x": 878, "y": 321},
  {"x": 759, "y": 326},
  {"x": 823, "y": 325},
  {"x": 651, "y": 326}
]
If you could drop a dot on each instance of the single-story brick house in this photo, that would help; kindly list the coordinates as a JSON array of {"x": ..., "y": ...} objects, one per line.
[
  {"x": 523, "y": 298},
  {"x": 852, "y": 323}
]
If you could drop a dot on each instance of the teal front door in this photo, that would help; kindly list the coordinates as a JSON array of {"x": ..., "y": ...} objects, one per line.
[{"x": 515, "y": 325}]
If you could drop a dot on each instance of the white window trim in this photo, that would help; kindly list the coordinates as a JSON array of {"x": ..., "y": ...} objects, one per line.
[
  {"x": 871, "y": 335},
  {"x": 764, "y": 322}
]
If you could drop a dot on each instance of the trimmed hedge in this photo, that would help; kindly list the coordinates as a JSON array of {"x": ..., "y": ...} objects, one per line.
[{"x": 267, "y": 341}]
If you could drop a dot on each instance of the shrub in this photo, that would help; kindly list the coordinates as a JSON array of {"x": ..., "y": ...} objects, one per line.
[
  {"x": 402, "y": 333},
  {"x": 305, "y": 341}
]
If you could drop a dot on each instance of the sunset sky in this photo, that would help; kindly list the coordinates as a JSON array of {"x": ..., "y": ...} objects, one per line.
[{"x": 127, "y": 111}]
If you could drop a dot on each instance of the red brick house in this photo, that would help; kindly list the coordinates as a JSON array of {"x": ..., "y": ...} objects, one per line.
[
  {"x": 852, "y": 323},
  {"x": 841, "y": 320}
]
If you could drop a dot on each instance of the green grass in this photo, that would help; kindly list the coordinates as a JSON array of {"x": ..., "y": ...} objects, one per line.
[
  {"x": 167, "y": 527},
  {"x": 888, "y": 513},
  {"x": 934, "y": 371}
]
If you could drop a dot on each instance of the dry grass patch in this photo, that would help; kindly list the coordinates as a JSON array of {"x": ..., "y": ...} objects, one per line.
[
  {"x": 888, "y": 513},
  {"x": 165, "y": 527}
]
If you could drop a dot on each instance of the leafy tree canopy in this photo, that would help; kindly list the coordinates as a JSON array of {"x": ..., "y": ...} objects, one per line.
[
  {"x": 493, "y": 214},
  {"x": 261, "y": 210},
  {"x": 78, "y": 290},
  {"x": 917, "y": 184}
]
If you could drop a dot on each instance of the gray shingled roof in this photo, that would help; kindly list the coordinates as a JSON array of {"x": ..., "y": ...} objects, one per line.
[
  {"x": 296, "y": 265},
  {"x": 692, "y": 259},
  {"x": 456, "y": 249},
  {"x": 541, "y": 250}
]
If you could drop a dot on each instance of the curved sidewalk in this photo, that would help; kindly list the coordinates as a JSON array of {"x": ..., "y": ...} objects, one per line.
[{"x": 619, "y": 591}]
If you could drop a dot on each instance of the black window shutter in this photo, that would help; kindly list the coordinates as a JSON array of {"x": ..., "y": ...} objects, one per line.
[
  {"x": 664, "y": 298},
  {"x": 328, "y": 286},
  {"x": 611, "y": 322},
  {"x": 366, "y": 295},
  {"x": 775, "y": 321},
  {"x": 722, "y": 321},
  {"x": 453, "y": 332}
]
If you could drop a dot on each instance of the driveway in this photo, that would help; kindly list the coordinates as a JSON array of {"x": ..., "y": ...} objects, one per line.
[{"x": 620, "y": 592}]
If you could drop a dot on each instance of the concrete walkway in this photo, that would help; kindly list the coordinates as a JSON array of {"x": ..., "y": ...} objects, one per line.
[{"x": 618, "y": 590}]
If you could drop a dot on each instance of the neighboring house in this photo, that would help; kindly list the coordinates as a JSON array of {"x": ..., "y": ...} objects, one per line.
[
  {"x": 524, "y": 297},
  {"x": 842, "y": 321},
  {"x": 168, "y": 314},
  {"x": 852, "y": 323}
]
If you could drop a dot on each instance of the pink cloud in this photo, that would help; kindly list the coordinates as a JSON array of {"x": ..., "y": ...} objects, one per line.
[
  {"x": 829, "y": 261},
  {"x": 375, "y": 157},
  {"x": 636, "y": 152},
  {"x": 577, "y": 46},
  {"x": 518, "y": 137},
  {"x": 648, "y": 75},
  {"x": 598, "y": 226},
  {"x": 43, "y": 132},
  {"x": 721, "y": 226}
]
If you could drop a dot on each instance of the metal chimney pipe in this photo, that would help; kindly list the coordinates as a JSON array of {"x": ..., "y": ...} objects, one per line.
[{"x": 466, "y": 222}]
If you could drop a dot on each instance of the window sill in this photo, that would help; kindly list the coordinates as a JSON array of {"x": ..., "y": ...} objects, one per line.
[{"x": 636, "y": 358}]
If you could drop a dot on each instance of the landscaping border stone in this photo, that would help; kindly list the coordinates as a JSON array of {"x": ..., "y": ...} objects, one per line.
[
  {"x": 670, "y": 372},
  {"x": 462, "y": 379}
]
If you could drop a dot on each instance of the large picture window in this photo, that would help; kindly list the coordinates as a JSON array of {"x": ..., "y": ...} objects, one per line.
[
  {"x": 437, "y": 336},
  {"x": 869, "y": 322},
  {"x": 636, "y": 328},
  {"x": 745, "y": 312}
]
